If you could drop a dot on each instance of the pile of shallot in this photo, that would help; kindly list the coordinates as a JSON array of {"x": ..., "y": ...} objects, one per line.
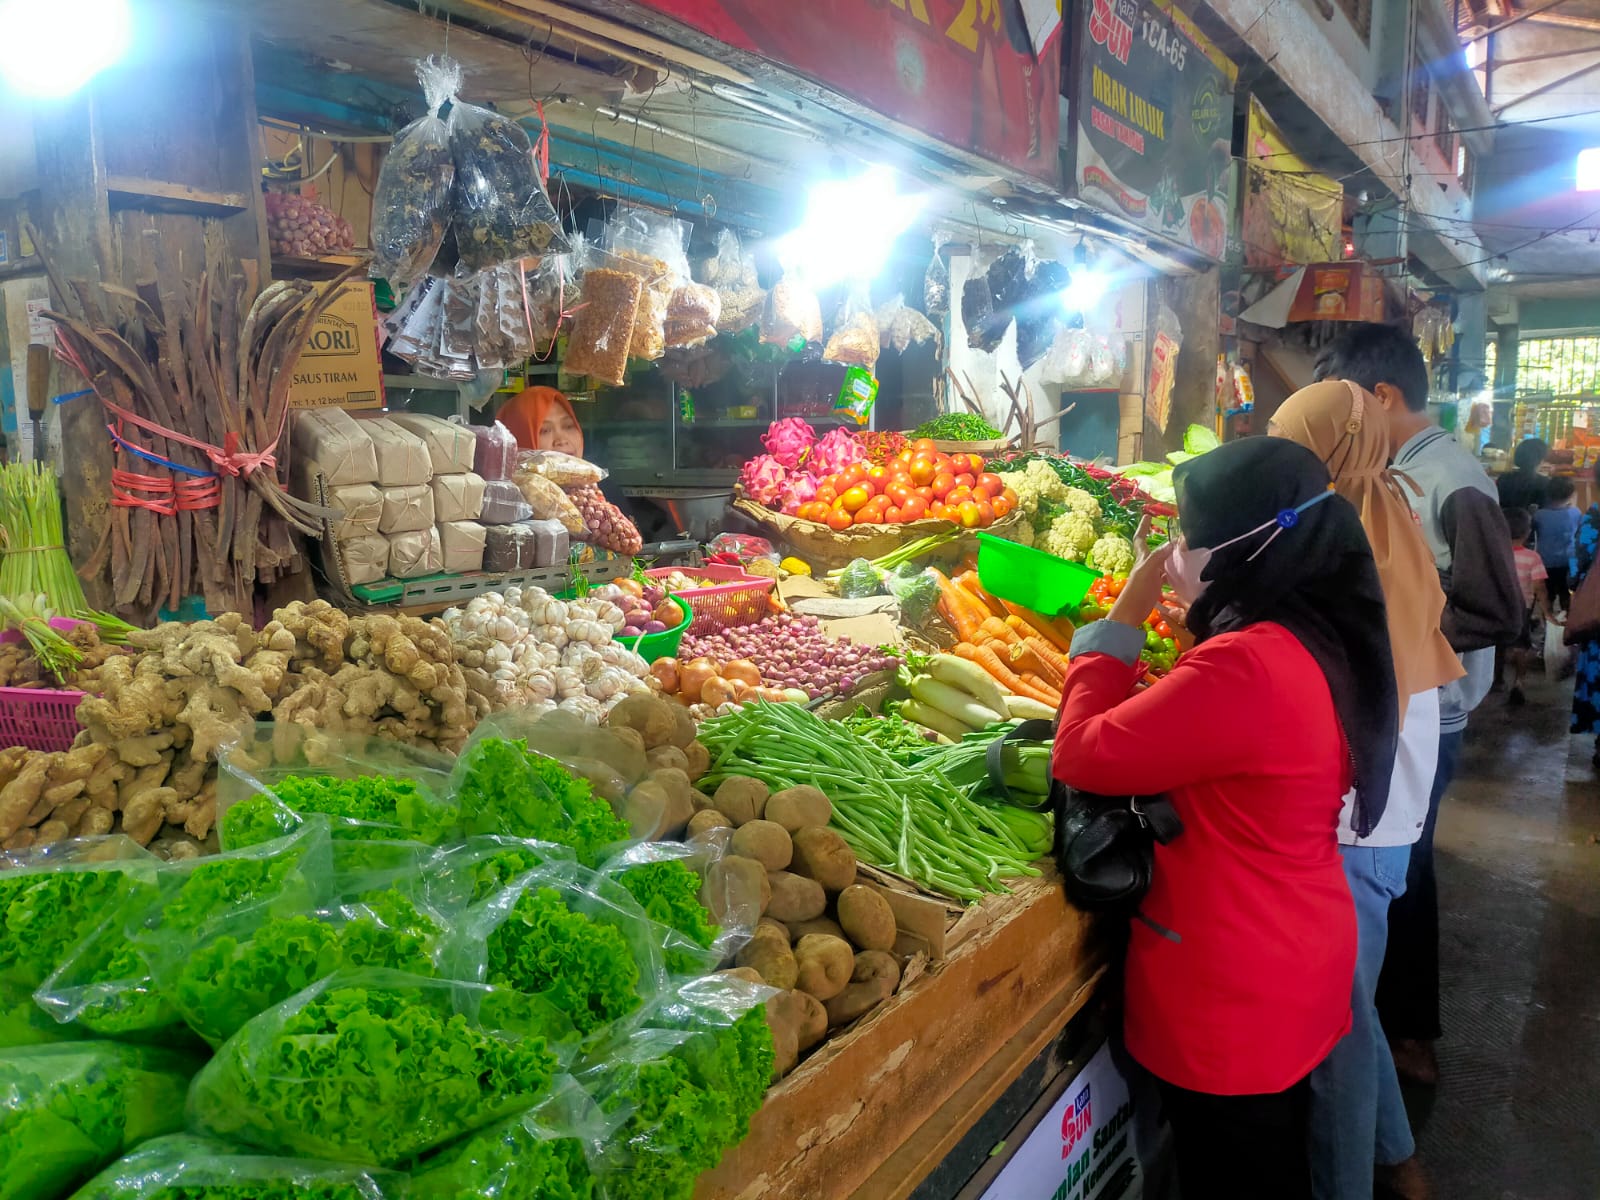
[
  {"x": 299, "y": 226},
  {"x": 608, "y": 527},
  {"x": 791, "y": 652}
]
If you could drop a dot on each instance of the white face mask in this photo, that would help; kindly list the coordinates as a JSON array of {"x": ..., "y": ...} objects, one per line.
[{"x": 1184, "y": 570}]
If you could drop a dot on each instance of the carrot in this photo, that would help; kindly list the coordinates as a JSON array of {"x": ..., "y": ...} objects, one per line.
[
  {"x": 1025, "y": 657},
  {"x": 955, "y": 606},
  {"x": 986, "y": 658},
  {"x": 1041, "y": 625},
  {"x": 1055, "y": 661},
  {"x": 999, "y": 631},
  {"x": 968, "y": 580}
]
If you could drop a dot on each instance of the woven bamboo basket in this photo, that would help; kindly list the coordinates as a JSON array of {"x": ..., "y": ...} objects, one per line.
[{"x": 825, "y": 548}]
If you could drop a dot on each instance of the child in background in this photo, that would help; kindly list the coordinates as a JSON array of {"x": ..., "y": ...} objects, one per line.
[
  {"x": 1531, "y": 573},
  {"x": 1555, "y": 525}
]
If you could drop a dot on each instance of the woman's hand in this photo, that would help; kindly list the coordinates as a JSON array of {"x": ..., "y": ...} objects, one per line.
[{"x": 1143, "y": 589}]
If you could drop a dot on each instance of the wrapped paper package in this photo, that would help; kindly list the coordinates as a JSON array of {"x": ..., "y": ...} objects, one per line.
[
  {"x": 366, "y": 557},
  {"x": 461, "y": 544},
  {"x": 503, "y": 503},
  {"x": 415, "y": 554},
  {"x": 331, "y": 442},
  {"x": 450, "y": 445},
  {"x": 406, "y": 509},
  {"x": 501, "y": 547},
  {"x": 543, "y": 544},
  {"x": 362, "y": 505},
  {"x": 403, "y": 460},
  {"x": 457, "y": 497}
]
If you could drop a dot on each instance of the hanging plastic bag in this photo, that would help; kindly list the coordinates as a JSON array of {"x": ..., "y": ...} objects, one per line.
[
  {"x": 563, "y": 470},
  {"x": 901, "y": 326},
  {"x": 1164, "y": 348},
  {"x": 411, "y": 202},
  {"x": 936, "y": 279},
  {"x": 1038, "y": 308},
  {"x": 1103, "y": 370},
  {"x": 732, "y": 272},
  {"x": 602, "y": 329},
  {"x": 552, "y": 288},
  {"x": 792, "y": 312},
  {"x": 501, "y": 212},
  {"x": 651, "y": 247},
  {"x": 69, "y": 1109},
  {"x": 205, "y": 1169},
  {"x": 985, "y": 325},
  {"x": 1557, "y": 654},
  {"x": 308, "y": 1077},
  {"x": 692, "y": 315},
  {"x": 855, "y": 333}
]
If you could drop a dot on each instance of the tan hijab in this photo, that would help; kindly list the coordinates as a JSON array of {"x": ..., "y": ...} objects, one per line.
[{"x": 1341, "y": 424}]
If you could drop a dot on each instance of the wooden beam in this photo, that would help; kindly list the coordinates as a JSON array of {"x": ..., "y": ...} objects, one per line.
[
  {"x": 125, "y": 191},
  {"x": 1547, "y": 87},
  {"x": 1526, "y": 14}
]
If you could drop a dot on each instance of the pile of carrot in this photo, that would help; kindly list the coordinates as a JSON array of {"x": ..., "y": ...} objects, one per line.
[{"x": 1025, "y": 652}]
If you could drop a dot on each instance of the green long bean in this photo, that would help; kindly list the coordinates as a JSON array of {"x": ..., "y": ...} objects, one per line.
[{"x": 908, "y": 819}]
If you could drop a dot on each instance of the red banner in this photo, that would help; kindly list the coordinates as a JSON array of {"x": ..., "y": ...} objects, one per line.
[{"x": 963, "y": 72}]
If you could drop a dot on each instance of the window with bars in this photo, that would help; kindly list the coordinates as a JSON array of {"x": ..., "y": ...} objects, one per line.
[
  {"x": 1360, "y": 14},
  {"x": 1559, "y": 366}
]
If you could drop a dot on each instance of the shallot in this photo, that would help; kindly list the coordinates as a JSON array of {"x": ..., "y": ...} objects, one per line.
[{"x": 790, "y": 651}]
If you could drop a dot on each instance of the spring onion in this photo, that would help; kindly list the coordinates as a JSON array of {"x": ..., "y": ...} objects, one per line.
[{"x": 35, "y": 573}]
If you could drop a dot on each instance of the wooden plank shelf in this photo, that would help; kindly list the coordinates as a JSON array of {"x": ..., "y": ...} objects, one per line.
[
  {"x": 872, "y": 1112},
  {"x": 127, "y": 191}
]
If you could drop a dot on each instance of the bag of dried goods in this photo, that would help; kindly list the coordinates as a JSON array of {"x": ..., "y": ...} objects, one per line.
[
  {"x": 692, "y": 315},
  {"x": 298, "y": 226},
  {"x": 792, "y": 312},
  {"x": 651, "y": 247},
  {"x": 901, "y": 326},
  {"x": 402, "y": 458},
  {"x": 544, "y": 544},
  {"x": 603, "y": 327},
  {"x": 496, "y": 452},
  {"x": 366, "y": 557},
  {"x": 458, "y": 497},
  {"x": 406, "y": 509},
  {"x": 936, "y": 279},
  {"x": 501, "y": 548},
  {"x": 563, "y": 470},
  {"x": 332, "y": 443},
  {"x": 461, "y": 545},
  {"x": 547, "y": 501},
  {"x": 450, "y": 444},
  {"x": 605, "y": 524},
  {"x": 503, "y": 503},
  {"x": 415, "y": 554},
  {"x": 732, "y": 271},
  {"x": 411, "y": 203},
  {"x": 855, "y": 334},
  {"x": 501, "y": 212},
  {"x": 362, "y": 506}
]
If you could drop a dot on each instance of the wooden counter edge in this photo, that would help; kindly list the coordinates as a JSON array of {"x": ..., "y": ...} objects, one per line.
[{"x": 892, "y": 1095}]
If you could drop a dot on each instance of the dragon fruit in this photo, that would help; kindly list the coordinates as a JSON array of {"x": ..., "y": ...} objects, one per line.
[
  {"x": 834, "y": 453},
  {"x": 788, "y": 440},
  {"x": 797, "y": 489},
  {"x": 763, "y": 479}
]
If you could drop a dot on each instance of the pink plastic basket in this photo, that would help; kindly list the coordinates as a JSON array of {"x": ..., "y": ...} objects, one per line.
[
  {"x": 39, "y": 718},
  {"x": 737, "y": 598}
]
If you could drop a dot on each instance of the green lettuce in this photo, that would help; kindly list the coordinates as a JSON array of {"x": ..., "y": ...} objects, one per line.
[
  {"x": 374, "y": 1074},
  {"x": 669, "y": 893},
  {"x": 503, "y": 787},
  {"x": 364, "y": 806},
  {"x": 581, "y": 966},
  {"x": 67, "y": 1110},
  {"x": 181, "y": 1167},
  {"x": 509, "y": 1161}
]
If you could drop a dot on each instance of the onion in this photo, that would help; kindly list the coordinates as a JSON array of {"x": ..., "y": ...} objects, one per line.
[
  {"x": 694, "y": 677},
  {"x": 665, "y": 672},
  {"x": 743, "y": 670},
  {"x": 719, "y": 691}
]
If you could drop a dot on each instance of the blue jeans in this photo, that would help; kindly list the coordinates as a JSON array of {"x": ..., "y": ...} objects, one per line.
[{"x": 1357, "y": 1115}]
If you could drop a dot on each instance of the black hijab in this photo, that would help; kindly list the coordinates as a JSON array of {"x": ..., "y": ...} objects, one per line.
[{"x": 1316, "y": 578}]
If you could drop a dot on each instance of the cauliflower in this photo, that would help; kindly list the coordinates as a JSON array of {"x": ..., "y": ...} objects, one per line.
[
  {"x": 1034, "y": 483},
  {"x": 1112, "y": 553},
  {"x": 1070, "y": 535},
  {"x": 1080, "y": 501}
]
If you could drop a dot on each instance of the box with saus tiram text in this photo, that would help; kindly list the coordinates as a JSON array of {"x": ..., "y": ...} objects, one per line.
[{"x": 340, "y": 367}]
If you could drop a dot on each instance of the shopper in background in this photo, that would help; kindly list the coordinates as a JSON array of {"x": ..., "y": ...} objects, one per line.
[
  {"x": 1523, "y": 486},
  {"x": 541, "y": 418},
  {"x": 1554, "y": 527},
  {"x": 1586, "y": 663},
  {"x": 1358, "y": 1118},
  {"x": 1465, "y": 529},
  {"x": 1531, "y": 574},
  {"x": 1241, "y": 957}
]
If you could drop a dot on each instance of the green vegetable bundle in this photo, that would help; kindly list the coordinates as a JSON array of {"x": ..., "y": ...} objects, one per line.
[
  {"x": 957, "y": 427},
  {"x": 374, "y": 1067},
  {"x": 669, "y": 893},
  {"x": 472, "y": 871},
  {"x": 182, "y": 1167},
  {"x": 503, "y": 787},
  {"x": 891, "y": 733},
  {"x": 67, "y": 1110},
  {"x": 514, "y": 1160},
  {"x": 367, "y": 806},
  {"x": 905, "y": 819},
  {"x": 1024, "y": 770}
]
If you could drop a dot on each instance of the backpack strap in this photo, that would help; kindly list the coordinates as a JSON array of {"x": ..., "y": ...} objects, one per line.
[{"x": 1035, "y": 730}]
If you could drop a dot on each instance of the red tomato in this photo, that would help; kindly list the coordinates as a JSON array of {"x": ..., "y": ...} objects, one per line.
[
  {"x": 924, "y": 446},
  {"x": 958, "y": 495},
  {"x": 969, "y": 515},
  {"x": 897, "y": 492},
  {"x": 939, "y": 511},
  {"x": 993, "y": 482},
  {"x": 905, "y": 456},
  {"x": 872, "y": 511},
  {"x": 943, "y": 484},
  {"x": 879, "y": 477},
  {"x": 1002, "y": 507},
  {"x": 945, "y": 463},
  {"x": 826, "y": 493},
  {"x": 838, "y": 519},
  {"x": 855, "y": 498},
  {"x": 895, "y": 516},
  {"x": 926, "y": 493},
  {"x": 812, "y": 511},
  {"x": 982, "y": 493},
  {"x": 985, "y": 513},
  {"x": 853, "y": 474},
  {"x": 979, "y": 467},
  {"x": 1011, "y": 496},
  {"x": 966, "y": 478},
  {"x": 914, "y": 507},
  {"x": 922, "y": 470}
]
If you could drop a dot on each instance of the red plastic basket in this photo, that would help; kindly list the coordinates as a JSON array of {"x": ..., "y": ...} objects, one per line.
[
  {"x": 39, "y": 718},
  {"x": 737, "y": 599}
]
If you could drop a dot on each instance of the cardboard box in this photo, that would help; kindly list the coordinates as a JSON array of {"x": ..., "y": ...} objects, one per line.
[{"x": 340, "y": 367}]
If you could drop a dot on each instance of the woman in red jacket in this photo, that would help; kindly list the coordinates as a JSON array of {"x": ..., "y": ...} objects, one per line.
[{"x": 1240, "y": 961}]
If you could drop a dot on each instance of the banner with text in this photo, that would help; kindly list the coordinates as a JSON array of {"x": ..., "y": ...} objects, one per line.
[
  {"x": 979, "y": 75},
  {"x": 1083, "y": 1148},
  {"x": 1153, "y": 112}
]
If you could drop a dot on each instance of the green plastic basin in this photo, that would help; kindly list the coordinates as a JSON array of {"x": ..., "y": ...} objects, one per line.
[
  {"x": 1048, "y": 585},
  {"x": 651, "y": 646}
]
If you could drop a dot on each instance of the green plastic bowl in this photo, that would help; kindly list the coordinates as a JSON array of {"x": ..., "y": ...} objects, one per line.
[
  {"x": 651, "y": 646},
  {"x": 1048, "y": 585}
]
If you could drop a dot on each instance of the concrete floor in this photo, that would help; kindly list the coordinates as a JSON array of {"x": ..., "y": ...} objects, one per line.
[{"x": 1516, "y": 1115}]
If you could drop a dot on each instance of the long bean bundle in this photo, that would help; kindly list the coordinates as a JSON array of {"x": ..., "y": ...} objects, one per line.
[{"x": 905, "y": 819}]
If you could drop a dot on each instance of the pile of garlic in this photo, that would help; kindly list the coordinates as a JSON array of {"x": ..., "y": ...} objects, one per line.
[{"x": 526, "y": 649}]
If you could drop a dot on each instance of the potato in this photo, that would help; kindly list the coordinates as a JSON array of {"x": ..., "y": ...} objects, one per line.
[
  {"x": 736, "y": 890},
  {"x": 646, "y": 810},
  {"x": 748, "y": 974},
  {"x": 785, "y": 1048},
  {"x": 683, "y": 730},
  {"x": 676, "y": 784},
  {"x": 768, "y": 953},
  {"x": 776, "y": 930},
  {"x": 821, "y": 854},
  {"x": 766, "y": 842},
  {"x": 873, "y": 981},
  {"x": 666, "y": 756},
  {"x": 800, "y": 806},
  {"x": 741, "y": 798},
  {"x": 795, "y": 1015},
  {"x": 706, "y": 819},
  {"x": 827, "y": 925},
  {"x": 813, "y": 1020},
  {"x": 826, "y": 964},
  {"x": 655, "y": 720},
  {"x": 632, "y": 737},
  {"x": 794, "y": 897},
  {"x": 698, "y": 760},
  {"x": 867, "y": 918},
  {"x": 703, "y": 802}
]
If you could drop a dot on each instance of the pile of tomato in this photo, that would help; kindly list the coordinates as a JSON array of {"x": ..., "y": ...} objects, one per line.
[{"x": 917, "y": 483}]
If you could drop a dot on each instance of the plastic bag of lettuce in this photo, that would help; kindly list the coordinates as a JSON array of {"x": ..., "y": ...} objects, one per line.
[
  {"x": 374, "y": 1067},
  {"x": 51, "y": 899},
  {"x": 666, "y": 880},
  {"x": 196, "y": 1168},
  {"x": 68, "y": 1109}
]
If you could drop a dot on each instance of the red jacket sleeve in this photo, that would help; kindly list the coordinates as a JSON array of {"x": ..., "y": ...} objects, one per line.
[{"x": 1189, "y": 727}]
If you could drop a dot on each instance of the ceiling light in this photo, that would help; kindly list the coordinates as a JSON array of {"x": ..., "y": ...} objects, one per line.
[
  {"x": 50, "y": 50},
  {"x": 1589, "y": 169},
  {"x": 849, "y": 228}
]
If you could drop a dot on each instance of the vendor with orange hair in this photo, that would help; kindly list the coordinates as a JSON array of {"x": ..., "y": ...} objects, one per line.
[{"x": 541, "y": 418}]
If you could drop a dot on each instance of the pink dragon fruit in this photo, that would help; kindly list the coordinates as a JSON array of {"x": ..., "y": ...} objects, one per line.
[
  {"x": 788, "y": 440},
  {"x": 834, "y": 453},
  {"x": 763, "y": 479},
  {"x": 797, "y": 489}
]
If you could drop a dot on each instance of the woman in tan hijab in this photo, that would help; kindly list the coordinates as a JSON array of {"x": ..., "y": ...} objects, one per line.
[{"x": 1358, "y": 1120}]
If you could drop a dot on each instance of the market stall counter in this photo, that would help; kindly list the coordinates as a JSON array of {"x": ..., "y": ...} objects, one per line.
[{"x": 875, "y": 1110}]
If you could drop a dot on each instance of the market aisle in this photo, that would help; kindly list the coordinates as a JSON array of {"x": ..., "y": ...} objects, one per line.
[{"x": 1515, "y": 1115}]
